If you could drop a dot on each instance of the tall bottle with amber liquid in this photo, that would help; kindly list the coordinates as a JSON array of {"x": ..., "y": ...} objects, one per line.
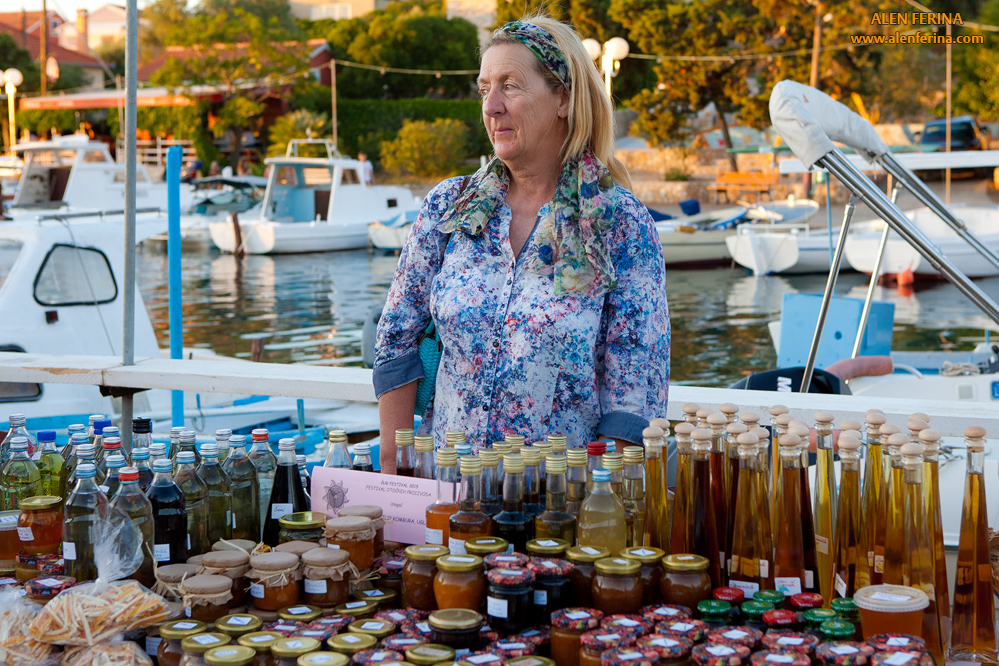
[
  {"x": 655, "y": 498},
  {"x": 683, "y": 489},
  {"x": 872, "y": 509},
  {"x": 470, "y": 521},
  {"x": 439, "y": 513},
  {"x": 776, "y": 430},
  {"x": 492, "y": 491},
  {"x": 824, "y": 509},
  {"x": 789, "y": 552},
  {"x": 732, "y": 466},
  {"x": 405, "y": 452},
  {"x": 719, "y": 461},
  {"x": 930, "y": 439},
  {"x": 748, "y": 545},
  {"x": 761, "y": 490},
  {"x": 895, "y": 547},
  {"x": 512, "y": 523},
  {"x": 555, "y": 522},
  {"x": 575, "y": 479},
  {"x": 634, "y": 492},
  {"x": 800, "y": 428},
  {"x": 846, "y": 553},
  {"x": 666, "y": 492},
  {"x": 702, "y": 515},
  {"x": 974, "y": 635},
  {"x": 690, "y": 413}
]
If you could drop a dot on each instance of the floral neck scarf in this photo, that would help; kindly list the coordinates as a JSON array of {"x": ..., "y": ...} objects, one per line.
[{"x": 570, "y": 237}]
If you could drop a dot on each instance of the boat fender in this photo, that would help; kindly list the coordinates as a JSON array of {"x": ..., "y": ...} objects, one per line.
[
  {"x": 685, "y": 228},
  {"x": 862, "y": 366}
]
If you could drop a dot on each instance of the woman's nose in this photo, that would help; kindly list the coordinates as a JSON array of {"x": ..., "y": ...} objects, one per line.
[{"x": 492, "y": 103}]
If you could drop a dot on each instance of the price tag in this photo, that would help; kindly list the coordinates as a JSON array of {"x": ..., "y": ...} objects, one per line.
[
  {"x": 350, "y": 638},
  {"x": 239, "y": 620},
  {"x": 681, "y": 626},
  {"x": 48, "y": 582},
  {"x": 227, "y": 653},
  {"x": 372, "y": 626},
  {"x": 374, "y": 593},
  {"x": 332, "y": 546},
  {"x": 577, "y": 615},
  {"x": 104, "y": 489},
  {"x": 256, "y": 590},
  {"x": 204, "y": 639},
  {"x": 684, "y": 558},
  {"x": 735, "y": 634},
  {"x": 281, "y": 510},
  {"x": 68, "y": 550},
  {"x": 627, "y": 622},
  {"x": 356, "y": 604},
  {"x": 591, "y": 551},
  {"x": 25, "y": 534},
  {"x": 895, "y": 641},
  {"x": 840, "y": 585},
  {"x": 547, "y": 543},
  {"x": 899, "y": 658},
  {"x": 460, "y": 558},
  {"x": 161, "y": 552},
  {"x": 423, "y": 627},
  {"x": 433, "y": 652},
  {"x": 788, "y": 585},
  {"x": 749, "y": 589},
  {"x": 299, "y": 610},
  {"x": 897, "y": 598},
  {"x": 294, "y": 644},
  {"x": 609, "y": 637},
  {"x": 668, "y": 612},
  {"x": 540, "y": 598},
  {"x": 184, "y": 626},
  {"x": 496, "y": 607}
]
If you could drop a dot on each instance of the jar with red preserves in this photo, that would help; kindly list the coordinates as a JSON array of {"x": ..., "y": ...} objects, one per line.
[
  {"x": 617, "y": 587},
  {"x": 716, "y": 654},
  {"x": 354, "y": 534},
  {"x": 274, "y": 580},
  {"x": 207, "y": 597},
  {"x": 568, "y": 625},
  {"x": 685, "y": 580},
  {"x": 594, "y": 643},
  {"x": 326, "y": 577},
  {"x": 39, "y": 527}
]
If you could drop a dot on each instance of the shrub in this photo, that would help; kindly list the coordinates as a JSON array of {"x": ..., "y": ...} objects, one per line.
[
  {"x": 426, "y": 149},
  {"x": 300, "y": 124}
]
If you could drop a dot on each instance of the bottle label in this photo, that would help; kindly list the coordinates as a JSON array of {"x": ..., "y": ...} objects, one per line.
[
  {"x": 540, "y": 598},
  {"x": 161, "y": 552},
  {"x": 496, "y": 607},
  {"x": 153, "y": 645},
  {"x": 879, "y": 563},
  {"x": 434, "y": 536},
  {"x": 187, "y": 611},
  {"x": 822, "y": 544},
  {"x": 456, "y": 546},
  {"x": 788, "y": 585},
  {"x": 25, "y": 534},
  {"x": 188, "y": 541},
  {"x": 257, "y": 591},
  {"x": 764, "y": 568},
  {"x": 281, "y": 510},
  {"x": 315, "y": 586},
  {"x": 749, "y": 589},
  {"x": 809, "y": 579},
  {"x": 840, "y": 585},
  {"x": 230, "y": 517},
  {"x": 68, "y": 550}
]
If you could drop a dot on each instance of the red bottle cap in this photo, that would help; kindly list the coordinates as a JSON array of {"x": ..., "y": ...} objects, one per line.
[
  {"x": 733, "y": 595},
  {"x": 780, "y": 617},
  {"x": 805, "y": 600},
  {"x": 128, "y": 474},
  {"x": 597, "y": 448}
]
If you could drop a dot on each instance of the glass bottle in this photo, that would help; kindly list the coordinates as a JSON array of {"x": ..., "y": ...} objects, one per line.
[
  {"x": 555, "y": 522},
  {"x": 220, "y": 516},
  {"x": 85, "y": 506},
  {"x": 288, "y": 495},
  {"x": 140, "y": 461},
  {"x": 142, "y": 436},
  {"x": 614, "y": 463},
  {"x": 776, "y": 429},
  {"x": 157, "y": 451},
  {"x": 338, "y": 456},
  {"x": 789, "y": 552},
  {"x": 111, "y": 446},
  {"x": 824, "y": 508},
  {"x": 973, "y": 637},
  {"x": 872, "y": 514},
  {"x": 362, "y": 458},
  {"x": 690, "y": 413},
  {"x": 169, "y": 515},
  {"x": 595, "y": 452},
  {"x": 895, "y": 553},
  {"x": 20, "y": 477},
  {"x": 73, "y": 429},
  {"x": 532, "y": 482},
  {"x": 469, "y": 521},
  {"x": 717, "y": 423},
  {"x": 265, "y": 462},
  {"x": 18, "y": 428},
  {"x": 195, "y": 503},
  {"x": 801, "y": 429},
  {"x": 502, "y": 448},
  {"x": 187, "y": 441},
  {"x": 575, "y": 480},
  {"x": 733, "y": 469},
  {"x": 702, "y": 528},
  {"x": 405, "y": 452},
  {"x": 97, "y": 434},
  {"x": 634, "y": 493},
  {"x": 175, "y": 442},
  {"x": 512, "y": 523},
  {"x": 244, "y": 489},
  {"x": 559, "y": 442},
  {"x": 85, "y": 454},
  {"x": 423, "y": 467},
  {"x": 656, "y": 532},
  {"x": 930, "y": 439},
  {"x": 76, "y": 440},
  {"x": 492, "y": 492},
  {"x": 846, "y": 554},
  {"x": 439, "y": 513},
  {"x": 131, "y": 500},
  {"x": 51, "y": 465},
  {"x": 222, "y": 436},
  {"x": 747, "y": 545},
  {"x": 114, "y": 462},
  {"x": 601, "y": 517},
  {"x": 542, "y": 449},
  {"x": 683, "y": 490},
  {"x": 303, "y": 471}
]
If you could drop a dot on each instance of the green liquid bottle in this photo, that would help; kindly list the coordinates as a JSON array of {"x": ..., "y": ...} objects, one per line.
[
  {"x": 51, "y": 464},
  {"x": 84, "y": 454},
  {"x": 222, "y": 436},
  {"x": 85, "y": 506},
  {"x": 131, "y": 500},
  {"x": 195, "y": 503},
  {"x": 18, "y": 428},
  {"x": 70, "y": 431},
  {"x": 76, "y": 440},
  {"x": 112, "y": 482},
  {"x": 20, "y": 478},
  {"x": 186, "y": 442},
  {"x": 554, "y": 522},
  {"x": 219, "y": 494},
  {"x": 245, "y": 492}
]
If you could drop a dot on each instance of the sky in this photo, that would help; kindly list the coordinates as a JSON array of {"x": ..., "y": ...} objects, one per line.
[{"x": 66, "y": 7}]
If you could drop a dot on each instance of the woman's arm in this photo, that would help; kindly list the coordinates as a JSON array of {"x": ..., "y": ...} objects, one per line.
[{"x": 395, "y": 412}]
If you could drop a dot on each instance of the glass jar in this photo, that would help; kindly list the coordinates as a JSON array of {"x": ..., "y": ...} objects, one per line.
[
  {"x": 195, "y": 647},
  {"x": 230, "y": 655},
  {"x": 790, "y": 641},
  {"x": 300, "y": 613},
  {"x": 323, "y": 659},
  {"x": 238, "y": 624},
  {"x": 581, "y": 577},
  {"x": 665, "y": 612},
  {"x": 487, "y": 545},
  {"x": 170, "y": 651},
  {"x": 296, "y": 548},
  {"x": 244, "y": 545},
  {"x": 43, "y": 589},
  {"x": 773, "y": 597},
  {"x": 617, "y": 586},
  {"x": 896, "y": 609},
  {"x": 357, "y": 609},
  {"x": 510, "y": 601},
  {"x": 325, "y": 577},
  {"x": 779, "y": 619},
  {"x": 26, "y": 567},
  {"x": 802, "y": 602},
  {"x": 429, "y": 654},
  {"x": 390, "y": 571},
  {"x": 843, "y": 653},
  {"x": 261, "y": 642},
  {"x": 354, "y": 534},
  {"x": 460, "y": 582},
  {"x": 714, "y": 613},
  {"x": 651, "y": 572},
  {"x": 456, "y": 628},
  {"x": 301, "y": 526},
  {"x": 547, "y": 548},
  {"x": 847, "y": 610},
  {"x": 551, "y": 587},
  {"x": 168, "y": 580},
  {"x": 735, "y": 634},
  {"x": 753, "y": 612},
  {"x": 568, "y": 625},
  {"x": 673, "y": 650},
  {"x": 10, "y": 544},
  {"x": 693, "y": 630},
  {"x": 207, "y": 597},
  {"x": 418, "y": 576},
  {"x": 814, "y": 617},
  {"x": 378, "y": 628},
  {"x": 275, "y": 580},
  {"x": 372, "y": 513},
  {"x": 685, "y": 580},
  {"x": 234, "y": 564},
  {"x": 384, "y": 598},
  {"x": 286, "y": 651},
  {"x": 39, "y": 526},
  {"x": 715, "y": 654},
  {"x": 531, "y": 660},
  {"x": 594, "y": 643},
  {"x": 351, "y": 643}
]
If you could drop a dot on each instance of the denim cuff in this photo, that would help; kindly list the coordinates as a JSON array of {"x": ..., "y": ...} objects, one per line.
[
  {"x": 623, "y": 425},
  {"x": 397, "y": 372}
]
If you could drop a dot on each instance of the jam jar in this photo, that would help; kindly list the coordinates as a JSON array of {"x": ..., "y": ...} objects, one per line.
[
  {"x": 583, "y": 558},
  {"x": 238, "y": 624},
  {"x": 234, "y": 564},
  {"x": 390, "y": 571},
  {"x": 551, "y": 587},
  {"x": 510, "y": 601},
  {"x": 230, "y": 655},
  {"x": 286, "y": 651},
  {"x": 505, "y": 561},
  {"x": 630, "y": 656},
  {"x": 42, "y": 589},
  {"x": 814, "y": 617},
  {"x": 301, "y": 526},
  {"x": 418, "y": 576},
  {"x": 196, "y": 646},
  {"x": 372, "y": 513},
  {"x": 594, "y": 643},
  {"x": 487, "y": 545},
  {"x": 456, "y": 628},
  {"x": 429, "y": 654},
  {"x": 378, "y": 628},
  {"x": 39, "y": 527},
  {"x": 275, "y": 580},
  {"x": 384, "y": 598},
  {"x": 350, "y": 643},
  {"x": 207, "y": 597},
  {"x": 651, "y": 572},
  {"x": 735, "y": 634},
  {"x": 568, "y": 625},
  {"x": 753, "y": 612},
  {"x": 685, "y": 580},
  {"x": 843, "y": 653},
  {"x": 775, "y": 597},
  {"x": 460, "y": 582},
  {"x": 735, "y": 597},
  {"x": 354, "y": 534},
  {"x": 780, "y": 620},
  {"x": 617, "y": 587},
  {"x": 714, "y": 613},
  {"x": 718, "y": 654},
  {"x": 170, "y": 652},
  {"x": 780, "y": 658},
  {"x": 547, "y": 548},
  {"x": 664, "y": 612},
  {"x": 359, "y": 609},
  {"x": 673, "y": 650},
  {"x": 261, "y": 642},
  {"x": 790, "y": 641},
  {"x": 168, "y": 580},
  {"x": 325, "y": 577}
]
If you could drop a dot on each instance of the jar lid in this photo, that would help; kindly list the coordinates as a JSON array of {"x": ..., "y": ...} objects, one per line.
[
  {"x": 429, "y": 654},
  {"x": 201, "y": 643},
  {"x": 347, "y": 525},
  {"x": 577, "y": 619},
  {"x": 379, "y": 596},
  {"x": 601, "y": 639},
  {"x": 844, "y": 653},
  {"x": 547, "y": 546},
  {"x": 630, "y": 656},
  {"x": 506, "y": 561},
  {"x": 260, "y": 641},
  {"x": 424, "y": 553},
  {"x": 481, "y": 658},
  {"x": 401, "y": 642},
  {"x": 716, "y": 654},
  {"x": 287, "y": 627},
  {"x": 483, "y": 546},
  {"x": 695, "y": 630},
  {"x": 891, "y": 598},
  {"x": 392, "y": 566},
  {"x": 664, "y": 612},
  {"x": 325, "y": 557},
  {"x": 806, "y": 600},
  {"x": 843, "y": 606},
  {"x": 399, "y": 616},
  {"x": 775, "y": 597},
  {"x": 896, "y": 643},
  {"x": 455, "y": 618},
  {"x": 323, "y": 659},
  {"x": 713, "y": 607},
  {"x": 273, "y": 561},
  {"x": 351, "y": 643},
  {"x": 49, "y": 586},
  {"x": 510, "y": 577},
  {"x": 206, "y": 584},
  {"x": 244, "y": 545},
  {"x": 587, "y": 553},
  {"x": 539, "y": 635},
  {"x": 370, "y": 511},
  {"x": 668, "y": 647},
  {"x": 174, "y": 573},
  {"x": 685, "y": 562},
  {"x": 780, "y": 658},
  {"x": 817, "y": 616},
  {"x": 644, "y": 554},
  {"x": 294, "y": 647},
  {"x": 550, "y": 568},
  {"x": 300, "y": 613},
  {"x": 376, "y": 628},
  {"x": 531, "y": 660},
  {"x": 741, "y": 634},
  {"x": 357, "y": 608},
  {"x": 39, "y": 502},
  {"x": 618, "y": 565},
  {"x": 790, "y": 641},
  {"x": 459, "y": 563},
  {"x": 195, "y": 560},
  {"x": 230, "y": 655},
  {"x": 780, "y": 617},
  {"x": 756, "y": 608},
  {"x": 238, "y": 624},
  {"x": 378, "y": 656},
  {"x": 732, "y": 595},
  {"x": 297, "y": 547},
  {"x": 633, "y": 624},
  {"x": 513, "y": 648},
  {"x": 303, "y": 520},
  {"x": 182, "y": 629},
  {"x": 225, "y": 559}
]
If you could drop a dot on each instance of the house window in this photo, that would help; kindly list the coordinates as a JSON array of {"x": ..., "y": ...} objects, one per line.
[{"x": 72, "y": 275}]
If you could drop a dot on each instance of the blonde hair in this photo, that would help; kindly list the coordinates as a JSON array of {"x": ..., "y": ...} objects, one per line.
[{"x": 591, "y": 116}]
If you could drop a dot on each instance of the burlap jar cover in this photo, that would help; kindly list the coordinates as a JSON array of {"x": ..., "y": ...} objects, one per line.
[
  {"x": 323, "y": 563},
  {"x": 274, "y": 569},
  {"x": 370, "y": 511},
  {"x": 234, "y": 564},
  {"x": 169, "y": 579},
  {"x": 349, "y": 528},
  {"x": 205, "y": 590}
]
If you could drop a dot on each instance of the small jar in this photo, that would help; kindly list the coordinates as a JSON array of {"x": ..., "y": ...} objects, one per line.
[
  {"x": 170, "y": 652},
  {"x": 384, "y": 598},
  {"x": 627, "y": 624},
  {"x": 300, "y": 613},
  {"x": 297, "y": 548},
  {"x": 301, "y": 526},
  {"x": 325, "y": 577},
  {"x": 773, "y": 597},
  {"x": 230, "y": 655},
  {"x": 673, "y": 651},
  {"x": 510, "y": 602},
  {"x": 790, "y": 641},
  {"x": 238, "y": 624},
  {"x": 693, "y": 630},
  {"x": 418, "y": 576},
  {"x": 583, "y": 558},
  {"x": 429, "y": 654},
  {"x": 843, "y": 653},
  {"x": 372, "y": 513},
  {"x": 568, "y": 625},
  {"x": 287, "y": 650},
  {"x": 539, "y": 635},
  {"x": 357, "y": 609},
  {"x": 460, "y": 582},
  {"x": 26, "y": 567},
  {"x": 39, "y": 526},
  {"x": 664, "y": 612},
  {"x": 234, "y": 564},
  {"x": 714, "y": 654},
  {"x": 351, "y": 643},
  {"x": 814, "y": 617},
  {"x": 206, "y": 597},
  {"x": 780, "y": 620},
  {"x": 742, "y": 635},
  {"x": 753, "y": 612},
  {"x": 651, "y": 572},
  {"x": 617, "y": 587},
  {"x": 837, "y": 630},
  {"x": 483, "y": 546},
  {"x": 630, "y": 656},
  {"x": 323, "y": 659},
  {"x": 274, "y": 580},
  {"x": 894, "y": 609},
  {"x": 547, "y": 548},
  {"x": 43, "y": 589},
  {"x": 196, "y": 646},
  {"x": 685, "y": 580},
  {"x": 168, "y": 580},
  {"x": 261, "y": 642},
  {"x": 594, "y": 643},
  {"x": 456, "y": 628},
  {"x": 51, "y": 564},
  {"x": 354, "y": 534},
  {"x": 377, "y": 628},
  {"x": 735, "y": 597},
  {"x": 552, "y": 589},
  {"x": 505, "y": 561},
  {"x": 847, "y": 610},
  {"x": 512, "y": 648},
  {"x": 390, "y": 571},
  {"x": 714, "y": 613},
  {"x": 780, "y": 658}
]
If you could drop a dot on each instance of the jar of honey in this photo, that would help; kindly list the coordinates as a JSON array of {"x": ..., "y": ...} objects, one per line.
[
  {"x": 238, "y": 624},
  {"x": 418, "y": 576},
  {"x": 234, "y": 565},
  {"x": 170, "y": 652},
  {"x": 326, "y": 577},
  {"x": 487, "y": 545},
  {"x": 206, "y": 597},
  {"x": 895, "y": 609},
  {"x": 372, "y": 513},
  {"x": 354, "y": 534},
  {"x": 26, "y": 567},
  {"x": 685, "y": 580},
  {"x": 547, "y": 548},
  {"x": 568, "y": 625},
  {"x": 651, "y": 572},
  {"x": 261, "y": 642},
  {"x": 460, "y": 582},
  {"x": 274, "y": 580},
  {"x": 617, "y": 586},
  {"x": 196, "y": 646},
  {"x": 39, "y": 526},
  {"x": 301, "y": 526},
  {"x": 581, "y": 577}
]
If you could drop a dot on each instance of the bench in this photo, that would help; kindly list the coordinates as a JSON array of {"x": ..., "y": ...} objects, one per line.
[{"x": 734, "y": 184}]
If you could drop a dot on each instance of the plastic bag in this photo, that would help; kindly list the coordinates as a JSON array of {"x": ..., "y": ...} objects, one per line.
[
  {"x": 17, "y": 648},
  {"x": 113, "y": 653}
]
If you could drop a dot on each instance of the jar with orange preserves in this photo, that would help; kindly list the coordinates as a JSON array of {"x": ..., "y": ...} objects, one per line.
[
  {"x": 326, "y": 581},
  {"x": 234, "y": 565},
  {"x": 568, "y": 625},
  {"x": 374, "y": 513},
  {"x": 460, "y": 582},
  {"x": 418, "y": 576},
  {"x": 206, "y": 597},
  {"x": 39, "y": 527},
  {"x": 685, "y": 580},
  {"x": 274, "y": 580},
  {"x": 354, "y": 534}
]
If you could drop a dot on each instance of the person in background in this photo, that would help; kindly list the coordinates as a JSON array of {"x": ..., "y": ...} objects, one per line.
[
  {"x": 543, "y": 274},
  {"x": 367, "y": 169}
]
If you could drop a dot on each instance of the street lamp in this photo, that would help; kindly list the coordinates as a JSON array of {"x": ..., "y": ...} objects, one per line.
[
  {"x": 611, "y": 54},
  {"x": 11, "y": 78}
]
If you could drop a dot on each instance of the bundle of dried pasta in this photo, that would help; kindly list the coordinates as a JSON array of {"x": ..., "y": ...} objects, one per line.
[
  {"x": 90, "y": 614},
  {"x": 17, "y": 648},
  {"x": 117, "y": 653}
]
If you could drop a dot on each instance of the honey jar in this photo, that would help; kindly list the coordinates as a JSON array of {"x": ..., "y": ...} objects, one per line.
[
  {"x": 39, "y": 525},
  {"x": 275, "y": 580},
  {"x": 326, "y": 576},
  {"x": 354, "y": 534}
]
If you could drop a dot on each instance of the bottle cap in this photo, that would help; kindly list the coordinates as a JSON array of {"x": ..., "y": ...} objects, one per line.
[
  {"x": 79, "y": 439},
  {"x": 46, "y": 435},
  {"x": 140, "y": 453},
  {"x": 237, "y": 440},
  {"x": 85, "y": 451},
  {"x": 209, "y": 449},
  {"x": 128, "y": 474},
  {"x": 17, "y": 420},
  {"x": 100, "y": 425},
  {"x": 85, "y": 471},
  {"x": 111, "y": 431},
  {"x": 600, "y": 475},
  {"x": 185, "y": 457},
  {"x": 76, "y": 427},
  {"x": 188, "y": 437},
  {"x": 891, "y": 598},
  {"x": 142, "y": 426},
  {"x": 223, "y": 433},
  {"x": 19, "y": 444},
  {"x": 157, "y": 449},
  {"x": 94, "y": 418},
  {"x": 259, "y": 434},
  {"x": 596, "y": 448},
  {"x": 362, "y": 449},
  {"x": 176, "y": 430},
  {"x": 288, "y": 444},
  {"x": 300, "y": 459},
  {"x": 422, "y": 443},
  {"x": 116, "y": 461},
  {"x": 112, "y": 443}
]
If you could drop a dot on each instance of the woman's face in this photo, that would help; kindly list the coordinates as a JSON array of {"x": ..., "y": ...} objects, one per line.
[{"x": 525, "y": 120}]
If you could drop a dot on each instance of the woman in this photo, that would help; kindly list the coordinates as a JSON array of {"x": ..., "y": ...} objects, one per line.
[{"x": 546, "y": 280}]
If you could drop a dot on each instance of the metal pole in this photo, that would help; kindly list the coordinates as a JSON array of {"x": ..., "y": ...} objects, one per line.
[
  {"x": 947, "y": 136},
  {"x": 333, "y": 98},
  {"x": 608, "y": 66},
  {"x": 175, "y": 155},
  {"x": 43, "y": 52},
  {"x": 869, "y": 300},
  {"x": 131, "y": 84}
]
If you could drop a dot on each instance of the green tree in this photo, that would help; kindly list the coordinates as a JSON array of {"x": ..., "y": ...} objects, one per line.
[
  {"x": 299, "y": 124},
  {"x": 12, "y": 55},
  {"x": 426, "y": 149},
  {"x": 265, "y": 10},
  {"x": 113, "y": 55},
  {"x": 518, "y": 9},
  {"x": 976, "y": 70},
  {"x": 159, "y": 19}
]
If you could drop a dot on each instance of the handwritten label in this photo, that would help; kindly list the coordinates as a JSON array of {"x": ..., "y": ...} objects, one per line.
[
  {"x": 840, "y": 585},
  {"x": 315, "y": 586},
  {"x": 25, "y": 534},
  {"x": 497, "y": 607},
  {"x": 280, "y": 510},
  {"x": 68, "y": 550},
  {"x": 256, "y": 590},
  {"x": 749, "y": 589},
  {"x": 822, "y": 544},
  {"x": 788, "y": 585},
  {"x": 456, "y": 545},
  {"x": 161, "y": 552},
  {"x": 204, "y": 639}
]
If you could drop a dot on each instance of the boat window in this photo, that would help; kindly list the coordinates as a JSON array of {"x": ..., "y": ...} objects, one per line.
[
  {"x": 349, "y": 177},
  {"x": 140, "y": 176},
  {"x": 72, "y": 275},
  {"x": 8, "y": 255},
  {"x": 286, "y": 175},
  {"x": 95, "y": 156},
  {"x": 18, "y": 391},
  {"x": 53, "y": 157},
  {"x": 316, "y": 176}
]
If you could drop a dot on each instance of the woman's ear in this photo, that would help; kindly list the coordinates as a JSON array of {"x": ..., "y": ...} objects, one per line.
[{"x": 563, "y": 104}]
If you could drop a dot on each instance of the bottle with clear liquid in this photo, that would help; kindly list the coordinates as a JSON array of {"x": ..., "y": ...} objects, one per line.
[
  {"x": 683, "y": 490},
  {"x": 76, "y": 440},
  {"x": 303, "y": 471},
  {"x": 405, "y": 453},
  {"x": 132, "y": 501},
  {"x": 222, "y": 436},
  {"x": 187, "y": 442},
  {"x": 111, "y": 483},
  {"x": 555, "y": 522},
  {"x": 702, "y": 529},
  {"x": 97, "y": 423},
  {"x": 174, "y": 443},
  {"x": 20, "y": 478},
  {"x": 633, "y": 493},
  {"x": 85, "y": 506},
  {"x": 140, "y": 461},
  {"x": 872, "y": 515},
  {"x": 614, "y": 463},
  {"x": 930, "y": 439},
  {"x": 824, "y": 508},
  {"x": 789, "y": 551},
  {"x": 245, "y": 492},
  {"x": 973, "y": 637},
  {"x": 85, "y": 454},
  {"x": 492, "y": 492},
  {"x": 142, "y": 435},
  {"x": 195, "y": 503},
  {"x": 51, "y": 465},
  {"x": 169, "y": 515},
  {"x": 338, "y": 456},
  {"x": 575, "y": 479},
  {"x": 18, "y": 428},
  {"x": 111, "y": 447},
  {"x": 532, "y": 482},
  {"x": 97, "y": 436},
  {"x": 595, "y": 451},
  {"x": 109, "y": 433},
  {"x": 513, "y": 523},
  {"x": 439, "y": 513},
  {"x": 158, "y": 451},
  {"x": 288, "y": 495},
  {"x": 846, "y": 553},
  {"x": 220, "y": 515},
  {"x": 362, "y": 458},
  {"x": 601, "y": 518},
  {"x": 895, "y": 555},
  {"x": 265, "y": 462},
  {"x": 423, "y": 466},
  {"x": 747, "y": 545},
  {"x": 502, "y": 448},
  {"x": 470, "y": 521},
  {"x": 70, "y": 431},
  {"x": 656, "y": 523}
]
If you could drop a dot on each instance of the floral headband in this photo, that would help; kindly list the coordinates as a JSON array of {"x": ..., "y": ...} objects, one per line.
[{"x": 541, "y": 42}]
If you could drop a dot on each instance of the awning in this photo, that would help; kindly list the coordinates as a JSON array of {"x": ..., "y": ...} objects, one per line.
[{"x": 112, "y": 99}]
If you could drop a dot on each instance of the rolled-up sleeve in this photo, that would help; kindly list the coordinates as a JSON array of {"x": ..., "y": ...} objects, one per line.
[
  {"x": 407, "y": 307},
  {"x": 634, "y": 374}
]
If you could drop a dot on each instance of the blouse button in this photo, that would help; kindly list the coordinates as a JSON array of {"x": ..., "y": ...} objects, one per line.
[
  {"x": 485, "y": 407},
  {"x": 495, "y": 344}
]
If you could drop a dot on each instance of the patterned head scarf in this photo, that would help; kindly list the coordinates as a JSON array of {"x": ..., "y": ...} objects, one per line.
[{"x": 543, "y": 45}]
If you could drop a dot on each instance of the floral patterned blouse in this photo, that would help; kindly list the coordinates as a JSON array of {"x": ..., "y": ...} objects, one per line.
[{"x": 517, "y": 358}]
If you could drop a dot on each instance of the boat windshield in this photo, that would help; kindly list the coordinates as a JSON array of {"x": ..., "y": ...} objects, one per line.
[
  {"x": 9, "y": 251},
  {"x": 299, "y": 193}
]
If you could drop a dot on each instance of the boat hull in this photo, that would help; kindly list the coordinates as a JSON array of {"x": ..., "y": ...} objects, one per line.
[
  {"x": 386, "y": 237},
  {"x": 695, "y": 248},
  {"x": 293, "y": 238}
]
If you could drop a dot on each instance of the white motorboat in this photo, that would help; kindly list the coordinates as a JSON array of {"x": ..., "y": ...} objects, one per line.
[
  {"x": 215, "y": 199},
  {"x": 781, "y": 248},
  {"x": 312, "y": 204},
  {"x": 391, "y": 235}
]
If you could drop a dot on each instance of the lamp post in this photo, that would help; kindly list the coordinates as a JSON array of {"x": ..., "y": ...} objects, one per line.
[
  {"x": 11, "y": 78},
  {"x": 613, "y": 51}
]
